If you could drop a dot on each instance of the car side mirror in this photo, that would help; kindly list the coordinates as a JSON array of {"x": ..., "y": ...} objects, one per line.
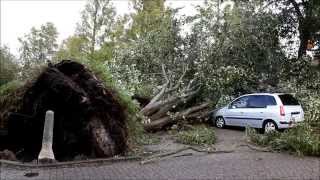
[{"x": 232, "y": 107}]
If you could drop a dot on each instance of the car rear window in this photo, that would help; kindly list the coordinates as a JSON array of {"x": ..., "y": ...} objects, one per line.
[{"x": 288, "y": 99}]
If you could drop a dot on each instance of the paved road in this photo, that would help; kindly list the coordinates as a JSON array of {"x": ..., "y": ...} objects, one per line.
[{"x": 243, "y": 163}]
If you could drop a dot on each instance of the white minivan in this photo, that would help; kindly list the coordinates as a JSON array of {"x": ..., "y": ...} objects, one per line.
[{"x": 267, "y": 111}]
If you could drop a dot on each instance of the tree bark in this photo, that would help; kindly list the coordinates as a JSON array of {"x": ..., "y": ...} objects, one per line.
[{"x": 164, "y": 121}]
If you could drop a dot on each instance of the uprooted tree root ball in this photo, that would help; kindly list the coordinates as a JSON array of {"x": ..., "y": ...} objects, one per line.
[{"x": 89, "y": 119}]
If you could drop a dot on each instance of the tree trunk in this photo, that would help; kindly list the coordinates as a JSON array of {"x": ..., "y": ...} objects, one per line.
[
  {"x": 304, "y": 36},
  {"x": 165, "y": 108},
  {"x": 192, "y": 112},
  {"x": 94, "y": 29}
]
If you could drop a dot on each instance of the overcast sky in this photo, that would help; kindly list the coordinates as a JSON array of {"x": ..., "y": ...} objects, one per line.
[{"x": 18, "y": 16}]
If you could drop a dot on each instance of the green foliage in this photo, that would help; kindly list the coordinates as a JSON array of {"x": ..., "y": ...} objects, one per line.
[
  {"x": 8, "y": 66},
  {"x": 301, "y": 140},
  {"x": 128, "y": 78},
  {"x": 148, "y": 139},
  {"x": 149, "y": 16},
  {"x": 97, "y": 22},
  {"x": 199, "y": 135},
  {"x": 259, "y": 139},
  {"x": 304, "y": 83},
  {"x": 298, "y": 19},
  {"x": 137, "y": 63},
  {"x": 224, "y": 100},
  {"x": 10, "y": 100},
  {"x": 10, "y": 87},
  {"x": 75, "y": 47},
  {"x": 39, "y": 45},
  {"x": 233, "y": 50}
]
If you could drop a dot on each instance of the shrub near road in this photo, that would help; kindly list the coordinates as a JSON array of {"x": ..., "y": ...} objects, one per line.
[
  {"x": 199, "y": 135},
  {"x": 300, "y": 140}
]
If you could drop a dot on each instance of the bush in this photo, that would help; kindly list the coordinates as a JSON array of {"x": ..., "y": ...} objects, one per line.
[
  {"x": 199, "y": 135},
  {"x": 10, "y": 87},
  {"x": 259, "y": 139},
  {"x": 301, "y": 140}
]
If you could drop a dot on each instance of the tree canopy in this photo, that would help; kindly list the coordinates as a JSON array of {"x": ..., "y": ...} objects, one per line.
[{"x": 39, "y": 45}]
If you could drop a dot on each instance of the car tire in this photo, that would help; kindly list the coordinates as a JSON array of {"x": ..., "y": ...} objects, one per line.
[
  {"x": 220, "y": 123},
  {"x": 269, "y": 126}
]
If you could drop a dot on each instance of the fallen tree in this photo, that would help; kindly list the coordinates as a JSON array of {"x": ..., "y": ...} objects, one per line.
[
  {"x": 164, "y": 108},
  {"x": 89, "y": 120}
]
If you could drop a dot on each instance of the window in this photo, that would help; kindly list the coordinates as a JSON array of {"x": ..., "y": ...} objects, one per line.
[
  {"x": 261, "y": 101},
  {"x": 256, "y": 102},
  {"x": 288, "y": 99},
  {"x": 240, "y": 103},
  {"x": 270, "y": 101}
]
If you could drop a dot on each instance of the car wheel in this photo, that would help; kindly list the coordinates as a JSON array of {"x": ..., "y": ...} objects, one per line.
[
  {"x": 269, "y": 126},
  {"x": 220, "y": 122}
]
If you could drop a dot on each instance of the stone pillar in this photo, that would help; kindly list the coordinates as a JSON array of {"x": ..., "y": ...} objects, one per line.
[{"x": 46, "y": 153}]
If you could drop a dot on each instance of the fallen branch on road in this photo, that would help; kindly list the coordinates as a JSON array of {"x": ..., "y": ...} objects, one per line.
[{"x": 159, "y": 157}]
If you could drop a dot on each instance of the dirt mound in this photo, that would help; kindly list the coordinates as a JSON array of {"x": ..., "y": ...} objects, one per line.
[{"x": 89, "y": 120}]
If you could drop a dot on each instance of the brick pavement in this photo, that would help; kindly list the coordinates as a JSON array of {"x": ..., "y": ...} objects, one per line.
[
  {"x": 243, "y": 163},
  {"x": 237, "y": 165}
]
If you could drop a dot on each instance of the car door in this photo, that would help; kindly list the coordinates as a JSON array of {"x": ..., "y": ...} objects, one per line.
[
  {"x": 234, "y": 116},
  {"x": 256, "y": 111}
]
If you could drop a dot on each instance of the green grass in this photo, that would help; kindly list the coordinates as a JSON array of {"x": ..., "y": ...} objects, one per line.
[
  {"x": 149, "y": 139},
  {"x": 199, "y": 135}
]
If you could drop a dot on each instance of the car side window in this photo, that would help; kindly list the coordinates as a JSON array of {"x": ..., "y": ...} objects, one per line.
[
  {"x": 257, "y": 102},
  {"x": 270, "y": 100},
  {"x": 261, "y": 101},
  {"x": 240, "y": 103}
]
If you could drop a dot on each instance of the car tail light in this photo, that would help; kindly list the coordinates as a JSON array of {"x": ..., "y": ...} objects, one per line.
[{"x": 282, "y": 113}]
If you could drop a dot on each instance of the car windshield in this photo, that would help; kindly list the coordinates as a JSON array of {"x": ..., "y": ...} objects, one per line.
[{"x": 288, "y": 99}]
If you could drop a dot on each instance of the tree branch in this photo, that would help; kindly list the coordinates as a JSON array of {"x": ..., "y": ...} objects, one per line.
[{"x": 297, "y": 9}]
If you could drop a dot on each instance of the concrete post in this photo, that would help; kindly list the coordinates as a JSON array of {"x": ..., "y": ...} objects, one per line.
[{"x": 46, "y": 153}]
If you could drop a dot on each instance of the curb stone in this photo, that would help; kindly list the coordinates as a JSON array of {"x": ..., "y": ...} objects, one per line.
[{"x": 17, "y": 164}]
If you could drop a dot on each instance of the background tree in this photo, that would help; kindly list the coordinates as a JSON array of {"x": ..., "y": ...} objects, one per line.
[
  {"x": 234, "y": 49},
  {"x": 8, "y": 66},
  {"x": 153, "y": 38},
  {"x": 97, "y": 22},
  {"x": 299, "y": 16},
  {"x": 75, "y": 47},
  {"x": 38, "y": 46},
  {"x": 147, "y": 17}
]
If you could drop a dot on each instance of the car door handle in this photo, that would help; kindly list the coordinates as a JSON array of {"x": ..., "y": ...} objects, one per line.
[
  {"x": 261, "y": 112},
  {"x": 241, "y": 112}
]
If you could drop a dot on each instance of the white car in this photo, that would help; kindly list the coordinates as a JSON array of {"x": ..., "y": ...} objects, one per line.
[{"x": 267, "y": 111}]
